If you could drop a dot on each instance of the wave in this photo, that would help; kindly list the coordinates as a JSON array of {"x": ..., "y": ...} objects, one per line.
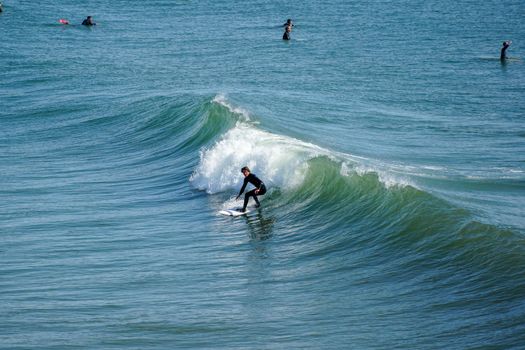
[
  {"x": 154, "y": 134},
  {"x": 349, "y": 205},
  {"x": 364, "y": 214},
  {"x": 328, "y": 204},
  {"x": 318, "y": 185},
  {"x": 282, "y": 161}
]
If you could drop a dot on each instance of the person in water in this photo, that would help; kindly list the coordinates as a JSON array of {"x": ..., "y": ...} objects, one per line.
[
  {"x": 259, "y": 190},
  {"x": 504, "y": 48},
  {"x": 88, "y": 22},
  {"x": 287, "y": 29}
]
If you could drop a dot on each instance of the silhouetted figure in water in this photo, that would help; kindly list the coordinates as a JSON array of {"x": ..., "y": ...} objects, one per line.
[
  {"x": 287, "y": 29},
  {"x": 88, "y": 22},
  {"x": 504, "y": 48}
]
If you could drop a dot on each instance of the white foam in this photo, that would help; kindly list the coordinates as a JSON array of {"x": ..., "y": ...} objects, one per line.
[
  {"x": 231, "y": 203},
  {"x": 388, "y": 178},
  {"x": 278, "y": 160},
  {"x": 222, "y": 100}
]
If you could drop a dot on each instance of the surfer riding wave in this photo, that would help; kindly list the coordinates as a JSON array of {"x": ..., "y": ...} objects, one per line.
[{"x": 260, "y": 188}]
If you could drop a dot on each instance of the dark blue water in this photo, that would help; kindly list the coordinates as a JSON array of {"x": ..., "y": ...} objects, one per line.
[{"x": 390, "y": 137}]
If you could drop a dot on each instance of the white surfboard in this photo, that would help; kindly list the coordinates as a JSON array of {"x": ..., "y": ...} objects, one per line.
[{"x": 233, "y": 212}]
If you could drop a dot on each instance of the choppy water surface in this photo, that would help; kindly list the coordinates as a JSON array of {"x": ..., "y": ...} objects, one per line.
[{"x": 390, "y": 137}]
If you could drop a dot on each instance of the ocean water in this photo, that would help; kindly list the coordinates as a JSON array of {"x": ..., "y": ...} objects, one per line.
[{"x": 390, "y": 136}]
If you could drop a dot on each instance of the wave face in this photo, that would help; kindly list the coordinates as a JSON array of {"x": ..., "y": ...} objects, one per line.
[
  {"x": 308, "y": 173},
  {"x": 338, "y": 193}
]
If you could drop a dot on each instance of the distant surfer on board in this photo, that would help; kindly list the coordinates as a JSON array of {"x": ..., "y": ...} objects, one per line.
[
  {"x": 503, "y": 55},
  {"x": 259, "y": 190},
  {"x": 287, "y": 29},
  {"x": 88, "y": 22}
]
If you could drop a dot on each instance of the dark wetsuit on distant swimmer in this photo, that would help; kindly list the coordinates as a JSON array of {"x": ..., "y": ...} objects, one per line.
[
  {"x": 88, "y": 22},
  {"x": 503, "y": 55},
  {"x": 287, "y": 29},
  {"x": 260, "y": 188}
]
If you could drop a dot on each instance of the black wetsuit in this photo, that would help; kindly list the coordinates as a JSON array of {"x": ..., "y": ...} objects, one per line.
[
  {"x": 503, "y": 55},
  {"x": 287, "y": 31},
  {"x": 87, "y": 22},
  {"x": 259, "y": 185}
]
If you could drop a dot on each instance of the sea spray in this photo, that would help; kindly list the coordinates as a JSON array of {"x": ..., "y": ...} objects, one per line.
[{"x": 280, "y": 161}]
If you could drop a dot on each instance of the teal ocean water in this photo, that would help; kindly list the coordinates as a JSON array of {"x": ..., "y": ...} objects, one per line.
[{"x": 389, "y": 134}]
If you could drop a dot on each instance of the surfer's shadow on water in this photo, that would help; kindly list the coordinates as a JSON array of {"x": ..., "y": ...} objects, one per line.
[{"x": 260, "y": 226}]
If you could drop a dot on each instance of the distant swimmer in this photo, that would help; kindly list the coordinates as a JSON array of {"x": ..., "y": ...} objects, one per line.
[
  {"x": 260, "y": 188},
  {"x": 504, "y": 48},
  {"x": 1, "y": 9},
  {"x": 287, "y": 29},
  {"x": 88, "y": 22}
]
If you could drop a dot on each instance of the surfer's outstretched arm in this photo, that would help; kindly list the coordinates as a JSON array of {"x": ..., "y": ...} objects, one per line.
[{"x": 242, "y": 188}]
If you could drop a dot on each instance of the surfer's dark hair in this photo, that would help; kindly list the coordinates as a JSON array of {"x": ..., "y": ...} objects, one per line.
[{"x": 245, "y": 168}]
